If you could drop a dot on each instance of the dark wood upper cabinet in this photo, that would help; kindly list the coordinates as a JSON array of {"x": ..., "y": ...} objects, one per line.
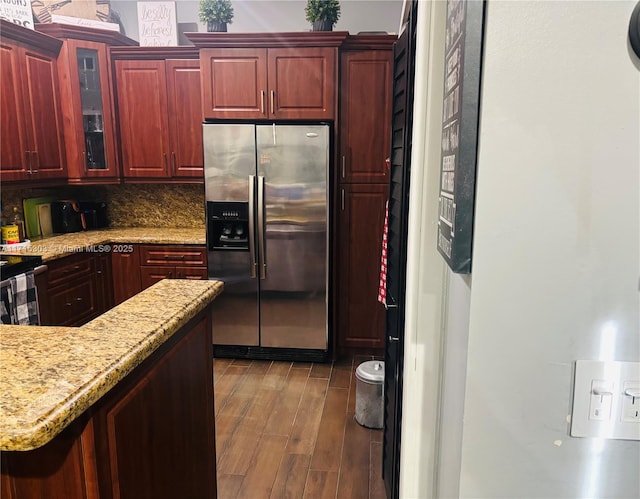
[
  {"x": 365, "y": 115},
  {"x": 84, "y": 70},
  {"x": 89, "y": 125},
  {"x": 302, "y": 83},
  {"x": 185, "y": 108},
  {"x": 234, "y": 83},
  {"x": 32, "y": 140},
  {"x": 269, "y": 75},
  {"x": 160, "y": 112},
  {"x": 144, "y": 118},
  {"x": 14, "y": 146}
]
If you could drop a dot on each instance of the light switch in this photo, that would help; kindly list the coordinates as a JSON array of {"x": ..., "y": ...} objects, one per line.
[
  {"x": 601, "y": 400},
  {"x": 606, "y": 400},
  {"x": 631, "y": 402}
]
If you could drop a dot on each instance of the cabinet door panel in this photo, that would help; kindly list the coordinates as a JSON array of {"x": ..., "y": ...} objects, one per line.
[
  {"x": 365, "y": 115},
  {"x": 301, "y": 83},
  {"x": 125, "y": 268},
  {"x": 156, "y": 447},
  {"x": 86, "y": 95},
  {"x": 13, "y": 142},
  {"x": 361, "y": 316},
  {"x": 185, "y": 109},
  {"x": 104, "y": 281},
  {"x": 234, "y": 83},
  {"x": 40, "y": 79},
  {"x": 74, "y": 303},
  {"x": 144, "y": 119}
]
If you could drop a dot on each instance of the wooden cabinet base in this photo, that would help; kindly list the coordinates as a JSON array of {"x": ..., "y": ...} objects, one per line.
[{"x": 152, "y": 436}]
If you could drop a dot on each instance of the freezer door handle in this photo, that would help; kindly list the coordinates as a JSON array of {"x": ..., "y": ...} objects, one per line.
[
  {"x": 262, "y": 263},
  {"x": 252, "y": 243}
]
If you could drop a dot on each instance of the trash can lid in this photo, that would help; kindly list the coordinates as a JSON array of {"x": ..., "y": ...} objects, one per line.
[{"x": 371, "y": 371}]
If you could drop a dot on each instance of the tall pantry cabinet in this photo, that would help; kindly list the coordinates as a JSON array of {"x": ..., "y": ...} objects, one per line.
[{"x": 364, "y": 136}]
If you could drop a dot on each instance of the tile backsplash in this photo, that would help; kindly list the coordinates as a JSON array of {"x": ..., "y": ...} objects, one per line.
[{"x": 129, "y": 205}]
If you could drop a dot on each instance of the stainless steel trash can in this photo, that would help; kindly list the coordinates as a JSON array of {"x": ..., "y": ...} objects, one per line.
[{"x": 369, "y": 393}]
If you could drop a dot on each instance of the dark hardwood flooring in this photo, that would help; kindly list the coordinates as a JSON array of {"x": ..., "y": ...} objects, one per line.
[{"x": 287, "y": 430}]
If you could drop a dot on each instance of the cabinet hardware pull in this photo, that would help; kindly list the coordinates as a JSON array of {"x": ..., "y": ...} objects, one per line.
[
  {"x": 68, "y": 304},
  {"x": 273, "y": 96},
  {"x": 79, "y": 298},
  {"x": 27, "y": 155},
  {"x": 37, "y": 161},
  {"x": 343, "y": 165},
  {"x": 164, "y": 159},
  {"x": 261, "y": 101},
  {"x": 174, "y": 163},
  {"x": 98, "y": 271},
  {"x": 342, "y": 199},
  {"x": 84, "y": 161},
  {"x": 393, "y": 338}
]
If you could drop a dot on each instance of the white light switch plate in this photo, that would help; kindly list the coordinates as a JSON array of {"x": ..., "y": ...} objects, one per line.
[{"x": 601, "y": 408}]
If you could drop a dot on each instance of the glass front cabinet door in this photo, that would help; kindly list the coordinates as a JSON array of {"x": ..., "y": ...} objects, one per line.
[{"x": 91, "y": 150}]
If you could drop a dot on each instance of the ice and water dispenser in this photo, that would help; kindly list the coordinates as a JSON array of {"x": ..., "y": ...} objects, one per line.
[{"x": 228, "y": 226}]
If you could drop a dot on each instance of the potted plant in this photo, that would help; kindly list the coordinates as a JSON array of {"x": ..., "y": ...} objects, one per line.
[
  {"x": 216, "y": 13},
  {"x": 322, "y": 14}
]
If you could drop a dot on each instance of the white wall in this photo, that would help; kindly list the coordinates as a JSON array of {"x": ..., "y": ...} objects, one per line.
[
  {"x": 555, "y": 260},
  {"x": 279, "y": 15},
  {"x": 556, "y": 247}
]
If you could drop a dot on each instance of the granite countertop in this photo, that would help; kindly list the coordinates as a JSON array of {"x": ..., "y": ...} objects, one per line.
[
  {"x": 61, "y": 245},
  {"x": 50, "y": 375}
]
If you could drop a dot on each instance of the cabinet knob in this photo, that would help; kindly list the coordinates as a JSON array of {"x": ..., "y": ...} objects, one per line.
[
  {"x": 79, "y": 298},
  {"x": 68, "y": 304}
]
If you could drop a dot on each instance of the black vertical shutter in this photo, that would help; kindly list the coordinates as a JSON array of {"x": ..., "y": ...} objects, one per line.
[{"x": 401, "y": 129}]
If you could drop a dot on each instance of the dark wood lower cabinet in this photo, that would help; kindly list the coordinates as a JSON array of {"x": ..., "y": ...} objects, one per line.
[
  {"x": 74, "y": 290},
  {"x": 150, "y": 274},
  {"x": 361, "y": 318},
  {"x": 150, "y": 437},
  {"x": 125, "y": 267}
]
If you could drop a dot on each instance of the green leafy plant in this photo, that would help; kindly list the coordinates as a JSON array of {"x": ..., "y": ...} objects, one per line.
[
  {"x": 219, "y": 11},
  {"x": 322, "y": 10}
]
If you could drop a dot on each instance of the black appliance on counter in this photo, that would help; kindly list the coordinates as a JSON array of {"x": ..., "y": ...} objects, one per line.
[
  {"x": 95, "y": 214},
  {"x": 73, "y": 216}
]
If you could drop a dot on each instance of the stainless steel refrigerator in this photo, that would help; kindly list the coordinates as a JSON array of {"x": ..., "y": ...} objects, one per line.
[{"x": 267, "y": 236}]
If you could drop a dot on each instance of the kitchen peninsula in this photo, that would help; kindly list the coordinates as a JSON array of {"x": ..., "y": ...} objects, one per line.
[{"x": 119, "y": 407}]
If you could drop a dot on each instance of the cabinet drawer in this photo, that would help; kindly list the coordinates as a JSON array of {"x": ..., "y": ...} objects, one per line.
[
  {"x": 185, "y": 256},
  {"x": 74, "y": 304},
  {"x": 69, "y": 268},
  {"x": 191, "y": 273},
  {"x": 151, "y": 275}
]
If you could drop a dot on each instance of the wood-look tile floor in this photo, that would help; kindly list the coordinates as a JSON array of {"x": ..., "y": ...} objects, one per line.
[{"x": 287, "y": 430}]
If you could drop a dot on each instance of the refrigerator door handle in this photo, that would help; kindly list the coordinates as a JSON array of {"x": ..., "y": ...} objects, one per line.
[
  {"x": 261, "y": 239},
  {"x": 252, "y": 242}
]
